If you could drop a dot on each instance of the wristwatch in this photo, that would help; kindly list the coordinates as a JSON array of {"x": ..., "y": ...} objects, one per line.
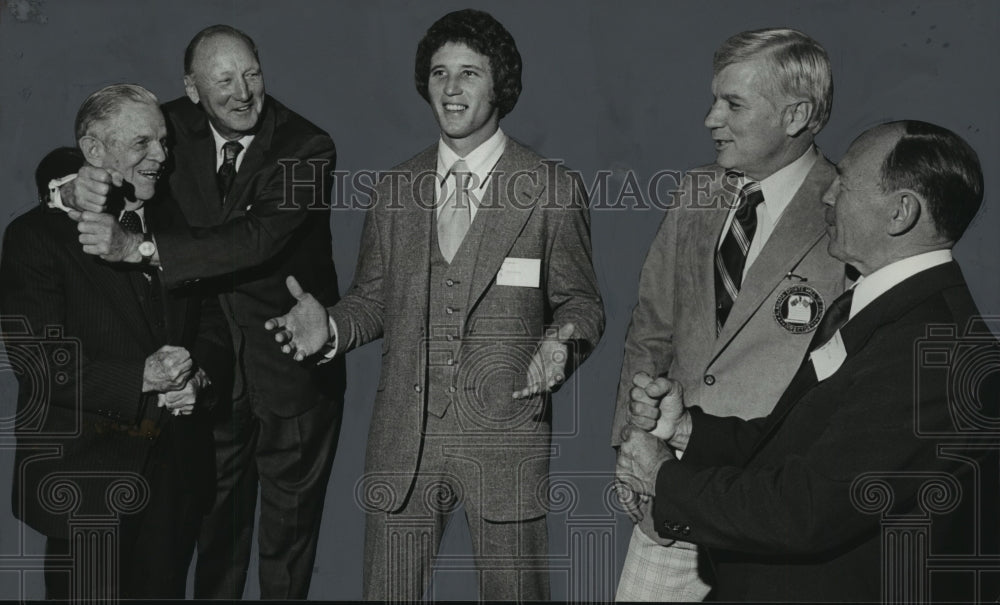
[{"x": 147, "y": 248}]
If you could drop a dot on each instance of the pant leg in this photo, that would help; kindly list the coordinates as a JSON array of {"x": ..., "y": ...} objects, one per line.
[
  {"x": 512, "y": 558},
  {"x": 660, "y": 573},
  {"x": 56, "y": 579},
  {"x": 400, "y": 547},
  {"x": 227, "y": 531},
  {"x": 294, "y": 458}
]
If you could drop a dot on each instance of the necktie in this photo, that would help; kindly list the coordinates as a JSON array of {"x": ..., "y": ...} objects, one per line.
[
  {"x": 130, "y": 221},
  {"x": 731, "y": 257},
  {"x": 836, "y": 316},
  {"x": 227, "y": 171},
  {"x": 455, "y": 217}
]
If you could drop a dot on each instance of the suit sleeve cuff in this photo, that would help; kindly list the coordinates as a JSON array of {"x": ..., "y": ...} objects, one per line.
[{"x": 329, "y": 350}]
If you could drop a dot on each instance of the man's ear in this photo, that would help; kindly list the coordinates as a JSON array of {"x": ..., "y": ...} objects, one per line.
[
  {"x": 907, "y": 207},
  {"x": 93, "y": 150},
  {"x": 190, "y": 89},
  {"x": 797, "y": 117}
]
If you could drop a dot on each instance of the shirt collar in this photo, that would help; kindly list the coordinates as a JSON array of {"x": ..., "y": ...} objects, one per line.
[
  {"x": 220, "y": 141},
  {"x": 870, "y": 287},
  {"x": 779, "y": 188},
  {"x": 480, "y": 161}
]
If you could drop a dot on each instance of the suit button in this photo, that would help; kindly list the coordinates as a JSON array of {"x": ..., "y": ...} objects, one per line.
[
  {"x": 449, "y": 310},
  {"x": 686, "y": 530},
  {"x": 452, "y": 389},
  {"x": 709, "y": 379},
  {"x": 449, "y": 282},
  {"x": 450, "y": 361},
  {"x": 667, "y": 525},
  {"x": 449, "y": 338},
  {"x": 417, "y": 388}
]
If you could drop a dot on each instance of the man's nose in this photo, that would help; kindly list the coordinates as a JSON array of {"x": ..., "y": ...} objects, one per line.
[
  {"x": 714, "y": 117},
  {"x": 830, "y": 195},
  {"x": 242, "y": 89},
  {"x": 453, "y": 86}
]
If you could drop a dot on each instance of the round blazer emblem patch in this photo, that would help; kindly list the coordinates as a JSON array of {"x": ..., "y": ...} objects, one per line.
[{"x": 799, "y": 309}]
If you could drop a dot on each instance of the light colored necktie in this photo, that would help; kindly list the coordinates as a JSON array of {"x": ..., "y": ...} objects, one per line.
[{"x": 455, "y": 216}]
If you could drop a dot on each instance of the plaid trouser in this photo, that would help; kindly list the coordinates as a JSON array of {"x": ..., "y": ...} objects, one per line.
[{"x": 660, "y": 573}]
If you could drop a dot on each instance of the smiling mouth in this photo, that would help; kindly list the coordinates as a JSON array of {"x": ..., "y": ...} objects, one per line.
[
  {"x": 454, "y": 107},
  {"x": 720, "y": 143},
  {"x": 152, "y": 175},
  {"x": 243, "y": 109}
]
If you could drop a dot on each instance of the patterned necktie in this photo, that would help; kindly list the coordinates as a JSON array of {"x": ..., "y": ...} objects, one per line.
[
  {"x": 130, "y": 221},
  {"x": 455, "y": 216},
  {"x": 731, "y": 257},
  {"x": 227, "y": 171},
  {"x": 834, "y": 319}
]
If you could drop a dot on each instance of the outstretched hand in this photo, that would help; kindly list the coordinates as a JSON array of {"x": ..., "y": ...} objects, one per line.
[
  {"x": 547, "y": 368},
  {"x": 305, "y": 328}
]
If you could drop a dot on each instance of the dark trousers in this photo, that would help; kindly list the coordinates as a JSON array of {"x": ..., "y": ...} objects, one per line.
[
  {"x": 154, "y": 545},
  {"x": 291, "y": 459},
  {"x": 511, "y": 557}
]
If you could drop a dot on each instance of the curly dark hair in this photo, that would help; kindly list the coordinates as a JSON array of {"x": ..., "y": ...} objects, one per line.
[{"x": 482, "y": 33}]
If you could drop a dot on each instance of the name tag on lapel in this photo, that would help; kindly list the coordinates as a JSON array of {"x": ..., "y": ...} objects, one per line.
[
  {"x": 520, "y": 272},
  {"x": 827, "y": 359}
]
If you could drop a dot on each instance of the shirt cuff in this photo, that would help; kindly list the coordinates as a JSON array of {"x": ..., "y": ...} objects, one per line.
[{"x": 329, "y": 350}]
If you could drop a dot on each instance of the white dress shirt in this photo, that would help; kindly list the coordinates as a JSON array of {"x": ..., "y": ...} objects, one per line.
[
  {"x": 870, "y": 287},
  {"x": 480, "y": 162},
  {"x": 220, "y": 156},
  {"x": 778, "y": 190}
]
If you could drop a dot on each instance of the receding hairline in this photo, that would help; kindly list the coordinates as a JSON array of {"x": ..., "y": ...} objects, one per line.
[{"x": 198, "y": 52}]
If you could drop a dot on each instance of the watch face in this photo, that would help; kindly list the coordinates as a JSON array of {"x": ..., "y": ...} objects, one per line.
[{"x": 147, "y": 248}]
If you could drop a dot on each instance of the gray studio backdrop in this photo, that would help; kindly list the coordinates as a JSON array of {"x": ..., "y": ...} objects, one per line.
[{"x": 620, "y": 87}]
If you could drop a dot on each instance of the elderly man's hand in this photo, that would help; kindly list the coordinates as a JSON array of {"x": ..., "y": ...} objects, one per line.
[
  {"x": 102, "y": 236},
  {"x": 91, "y": 187},
  {"x": 657, "y": 406},
  {"x": 639, "y": 460}
]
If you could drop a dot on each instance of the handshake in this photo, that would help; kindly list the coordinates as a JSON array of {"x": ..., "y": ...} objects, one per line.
[
  {"x": 170, "y": 373},
  {"x": 657, "y": 425}
]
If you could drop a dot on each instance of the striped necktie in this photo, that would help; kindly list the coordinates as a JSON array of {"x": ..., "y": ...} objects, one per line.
[{"x": 731, "y": 257}]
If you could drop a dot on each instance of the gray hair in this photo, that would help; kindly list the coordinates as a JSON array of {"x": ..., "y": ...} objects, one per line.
[
  {"x": 104, "y": 104},
  {"x": 798, "y": 65}
]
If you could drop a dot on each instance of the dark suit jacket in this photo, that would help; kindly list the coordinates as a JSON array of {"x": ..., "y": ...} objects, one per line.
[
  {"x": 533, "y": 210},
  {"x": 774, "y": 498},
  {"x": 78, "y": 331},
  {"x": 275, "y": 223}
]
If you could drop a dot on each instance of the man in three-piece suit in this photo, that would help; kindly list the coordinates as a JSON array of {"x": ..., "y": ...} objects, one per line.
[
  {"x": 96, "y": 435},
  {"x": 780, "y": 501},
  {"x": 249, "y": 176},
  {"x": 738, "y": 274},
  {"x": 475, "y": 270}
]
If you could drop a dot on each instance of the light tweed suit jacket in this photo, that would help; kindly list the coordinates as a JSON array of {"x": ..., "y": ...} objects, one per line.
[{"x": 533, "y": 210}]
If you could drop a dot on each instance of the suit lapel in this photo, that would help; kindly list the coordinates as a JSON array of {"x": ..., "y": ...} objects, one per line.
[
  {"x": 506, "y": 217},
  {"x": 253, "y": 160},
  {"x": 856, "y": 333},
  {"x": 115, "y": 286},
  {"x": 705, "y": 238},
  {"x": 801, "y": 225},
  {"x": 410, "y": 237},
  {"x": 200, "y": 198}
]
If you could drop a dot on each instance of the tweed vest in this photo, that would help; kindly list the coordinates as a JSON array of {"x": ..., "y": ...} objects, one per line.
[{"x": 448, "y": 297}]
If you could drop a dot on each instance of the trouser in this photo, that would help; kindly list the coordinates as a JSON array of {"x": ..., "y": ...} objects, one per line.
[
  {"x": 660, "y": 573},
  {"x": 154, "y": 545},
  {"x": 291, "y": 459},
  {"x": 511, "y": 557}
]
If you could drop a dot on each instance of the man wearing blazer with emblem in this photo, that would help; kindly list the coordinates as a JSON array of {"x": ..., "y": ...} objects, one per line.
[
  {"x": 882, "y": 450},
  {"x": 738, "y": 274},
  {"x": 249, "y": 176},
  {"x": 475, "y": 270}
]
